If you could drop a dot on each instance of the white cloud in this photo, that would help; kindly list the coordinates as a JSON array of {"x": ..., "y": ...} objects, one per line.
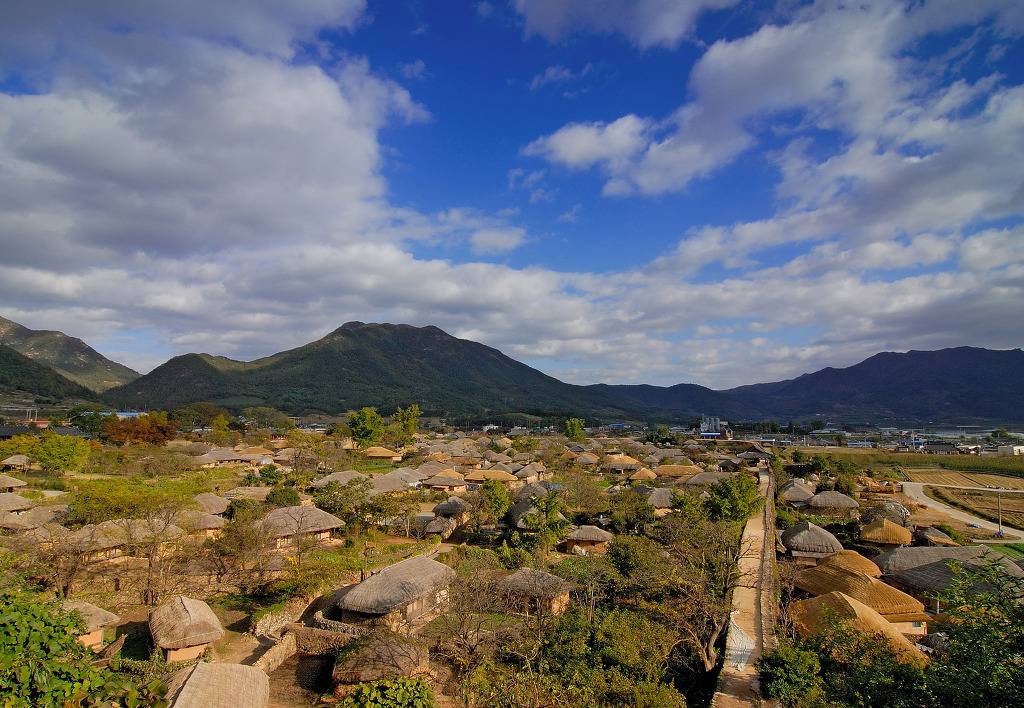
[
  {"x": 414, "y": 70},
  {"x": 646, "y": 23},
  {"x": 571, "y": 215},
  {"x": 583, "y": 145},
  {"x": 558, "y": 75},
  {"x": 497, "y": 240}
]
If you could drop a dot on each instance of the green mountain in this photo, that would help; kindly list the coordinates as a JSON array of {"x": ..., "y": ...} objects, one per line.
[
  {"x": 69, "y": 356},
  {"x": 386, "y": 365},
  {"x": 22, "y": 377}
]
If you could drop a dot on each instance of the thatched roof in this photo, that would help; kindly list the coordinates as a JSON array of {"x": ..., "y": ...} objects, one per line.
[
  {"x": 933, "y": 537},
  {"x": 452, "y": 506},
  {"x": 708, "y": 478},
  {"x": 184, "y": 622},
  {"x": 934, "y": 577},
  {"x": 380, "y": 656},
  {"x": 448, "y": 478},
  {"x": 587, "y": 458},
  {"x": 886, "y": 532},
  {"x": 9, "y": 501},
  {"x": 812, "y": 616},
  {"x": 95, "y": 617},
  {"x": 294, "y": 520},
  {"x": 537, "y": 584},
  {"x": 380, "y": 452},
  {"x": 396, "y": 586},
  {"x": 218, "y": 686},
  {"x": 621, "y": 462},
  {"x": 889, "y": 509},
  {"x": 211, "y": 503},
  {"x": 795, "y": 491},
  {"x": 806, "y": 537},
  {"x": 442, "y": 525},
  {"x": 199, "y": 521},
  {"x": 120, "y": 532},
  {"x": 900, "y": 559},
  {"x": 532, "y": 491},
  {"x": 342, "y": 477},
  {"x": 589, "y": 533},
  {"x": 893, "y": 604},
  {"x": 832, "y": 500},
  {"x": 643, "y": 474},
  {"x": 851, "y": 561},
  {"x": 254, "y": 493},
  {"x": 677, "y": 470},
  {"x": 491, "y": 474},
  {"x": 660, "y": 498},
  {"x": 6, "y": 481}
]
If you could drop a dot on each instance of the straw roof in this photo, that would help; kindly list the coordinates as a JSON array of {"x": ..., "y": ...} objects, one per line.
[
  {"x": 442, "y": 525},
  {"x": 449, "y": 478},
  {"x": 519, "y": 514},
  {"x": 587, "y": 458},
  {"x": 895, "y": 605},
  {"x": 621, "y": 462},
  {"x": 889, "y": 509},
  {"x": 708, "y": 478},
  {"x": 218, "y": 686},
  {"x": 120, "y": 532},
  {"x": 677, "y": 470},
  {"x": 810, "y": 538},
  {"x": 184, "y": 622},
  {"x": 934, "y": 577},
  {"x": 396, "y": 586},
  {"x": 533, "y": 583},
  {"x": 95, "y": 617},
  {"x": 342, "y": 477},
  {"x": 851, "y": 561},
  {"x": 795, "y": 491},
  {"x": 832, "y": 500},
  {"x": 532, "y": 491},
  {"x": 933, "y": 537},
  {"x": 9, "y": 501},
  {"x": 380, "y": 656},
  {"x": 491, "y": 474},
  {"x": 15, "y": 522},
  {"x": 812, "y": 616},
  {"x": 6, "y": 481},
  {"x": 211, "y": 503},
  {"x": 453, "y": 506},
  {"x": 900, "y": 559},
  {"x": 589, "y": 533},
  {"x": 294, "y": 520},
  {"x": 254, "y": 493},
  {"x": 199, "y": 521},
  {"x": 375, "y": 452},
  {"x": 886, "y": 532},
  {"x": 642, "y": 474},
  {"x": 660, "y": 498}
]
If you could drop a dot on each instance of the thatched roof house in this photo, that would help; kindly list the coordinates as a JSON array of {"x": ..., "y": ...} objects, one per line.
[
  {"x": 207, "y": 685},
  {"x": 479, "y": 476},
  {"x": 707, "y": 478},
  {"x": 401, "y": 592},
  {"x": 259, "y": 494},
  {"x": 889, "y": 509},
  {"x": 931, "y": 536},
  {"x": 900, "y": 559},
  {"x": 885, "y": 532},
  {"x": 806, "y": 542},
  {"x": 448, "y": 480},
  {"x": 8, "y": 483},
  {"x": 620, "y": 463},
  {"x": 643, "y": 475},
  {"x": 927, "y": 571},
  {"x": 587, "y": 459},
  {"x": 677, "y": 471},
  {"x": 290, "y": 524},
  {"x": 814, "y": 615},
  {"x": 96, "y": 618},
  {"x": 14, "y": 462},
  {"x": 200, "y": 523},
  {"x": 382, "y": 453},
  {"x": 795, "y": 491},
  {"x": 520, "y": 515},
  {"x": 851, "y": 561},
  {"x": 894, "y": 605},
  {"x": 380, "y": 656},
  {"x": 661, "y": 499},
  {"x": 183, "y": 627},
  {"x": 112, "y": 538},
  {"x": 453, "y": 507},
  {"x": 14, "y": 503},
  {"x": 832, "y": 500},
  {"x": 587, "y": 539},
  {"x": 530, "y": 590},
  {"x": 211, "y": 503}
]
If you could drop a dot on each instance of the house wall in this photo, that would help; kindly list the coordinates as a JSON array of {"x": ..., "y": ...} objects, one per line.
[
  {"x": 93, "y": 639},
  {"x": 185, "y": 654},
  {"x": 912, "y": 628}
]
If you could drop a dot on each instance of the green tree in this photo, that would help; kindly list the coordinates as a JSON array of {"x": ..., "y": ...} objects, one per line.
[
  {"x": 55, "y": 453},
  {"x": 408, "y": 421},
  {"x": 494, "y": 501},
  {"x": 266, "y": 418},
  {"x": 283, "y": 496},
  {"x": 367, "y": 426},
  {"x": 574, "y": 429},
  {"x": 42, "y": 663},
  {"x": 735, "y": 498},
  {"x": 220, "y": 431},
  {"x": 349, "y": 502},
  {"x": 398, "y": 692},
  {"x": 791, "y": 675}
]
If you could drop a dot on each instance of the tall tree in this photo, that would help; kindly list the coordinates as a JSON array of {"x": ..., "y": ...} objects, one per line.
[
  {"x": 574, "y": 430},
  {"x": 367, "y": 426}
]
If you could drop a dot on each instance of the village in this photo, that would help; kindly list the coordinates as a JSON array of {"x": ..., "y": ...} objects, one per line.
[{"x": 263, "y": 566}]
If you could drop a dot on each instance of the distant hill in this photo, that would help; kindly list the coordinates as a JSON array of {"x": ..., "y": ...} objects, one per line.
[
  {"x": 385, "y": 365},
  {"x": 68, "y": 356},
  {"x": 21, "y": 376}
]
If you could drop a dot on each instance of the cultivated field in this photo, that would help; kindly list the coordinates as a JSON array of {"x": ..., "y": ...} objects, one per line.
[
  {"x": 985, "y": 504},
  {"x": 964, "y": 479},
  {"x": 868, "y": 457}
]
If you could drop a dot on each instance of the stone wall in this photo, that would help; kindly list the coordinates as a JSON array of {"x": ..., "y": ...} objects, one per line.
[
  {"x": 277, "y": 654},
  {"x": 273, "y": 622},
  {"x": 310, "y": 640}
]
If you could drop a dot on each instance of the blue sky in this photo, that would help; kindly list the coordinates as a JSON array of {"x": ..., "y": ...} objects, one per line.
[{"x": 610, "y": 190}]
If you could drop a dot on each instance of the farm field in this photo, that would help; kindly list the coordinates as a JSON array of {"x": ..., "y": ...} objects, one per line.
[
  {"x": 985, "y": 504},
  {"x": 868, "y": 457},
  {"x": 964, "y": 479}
]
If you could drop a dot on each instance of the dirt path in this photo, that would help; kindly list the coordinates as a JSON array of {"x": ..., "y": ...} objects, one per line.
[
  {"x": 915, "y": 491},
  {"x": 751, "y": 627}
]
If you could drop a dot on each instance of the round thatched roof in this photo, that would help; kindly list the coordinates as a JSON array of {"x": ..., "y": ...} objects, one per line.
[
  {"x": 530, "y": 582},
  {"x": 643, "y": 474},
  {"x": 396, "y": 586},
  {"x": 832, "y": 500},
  {"x": 218, "y": 686},
  {"x": 677, "y": 470},
  {"x": 795, "y": 491},
  {"x": 853, "y": 562},
  {"x": 380, "y": 656},
  {"x": 810, "y": 538},
  {"x": 591, "y": 534},
  {"x": 211, "y": 503},
  {"x": 9, "y": 501},
  {"x": 184, "y": 622},
  {"x": 892, "y": 510},
  {"x": 8, "y": 482},
  {"x": 882, "y": 598},
  {"x": 886, "y": 532},
  {"x": 95, "y": 617}
]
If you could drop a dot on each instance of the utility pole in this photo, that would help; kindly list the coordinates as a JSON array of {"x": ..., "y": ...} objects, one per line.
[{"x": 999, "y": 505}]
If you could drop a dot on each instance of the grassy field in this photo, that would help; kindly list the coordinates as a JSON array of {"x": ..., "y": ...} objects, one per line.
[
  {"x": 868, "y": 457},
  {"x": 1014, "y": 550},
  {"x": 985, "y": 504},
  {"x": 964, "y": 479}
]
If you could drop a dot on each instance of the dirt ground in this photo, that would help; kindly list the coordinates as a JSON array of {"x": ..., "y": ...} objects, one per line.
[
  {"x": 921, "y": 515},
  {"x": 964, "y": 479},
  {"x": 300, "y": 681}
]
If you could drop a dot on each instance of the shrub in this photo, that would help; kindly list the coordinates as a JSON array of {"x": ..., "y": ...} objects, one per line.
[
  {"x": 283, "y": 496},
  {"x": 790, "y": 675},
  {"x": 391, "y": 693}
]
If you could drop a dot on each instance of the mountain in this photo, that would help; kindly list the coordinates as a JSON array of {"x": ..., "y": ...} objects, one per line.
[
  {"x": 68, "y": 356},
  {"x": 386, "y": 365},
  {"x": 21, "y": 377}
]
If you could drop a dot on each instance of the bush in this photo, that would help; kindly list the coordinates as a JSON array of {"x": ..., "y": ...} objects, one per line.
[
  {"x": 790, "y": 675},
  {"x": 785, "y": 518},
  {"x": 283, "y": 496},
  {"x": 391, "y": 693}
]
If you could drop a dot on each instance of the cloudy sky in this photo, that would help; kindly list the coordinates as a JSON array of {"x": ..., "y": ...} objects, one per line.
[{"x": 610, "y": 190}]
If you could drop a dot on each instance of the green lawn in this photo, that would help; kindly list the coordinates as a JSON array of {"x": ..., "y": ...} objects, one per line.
[{"x": 1014, "y": 550}]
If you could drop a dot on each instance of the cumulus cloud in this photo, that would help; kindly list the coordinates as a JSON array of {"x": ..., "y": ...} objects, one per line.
[
  {"x": 497, "y": 240},
  {"x": 558, "y": 75},
  {"x": 414, "y": 70},
  {"x": 646, "y": 23}
]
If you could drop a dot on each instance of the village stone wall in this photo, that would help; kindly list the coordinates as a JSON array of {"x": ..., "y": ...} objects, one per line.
[
  {"x": 277, "y": 654},
  {"x": 311, "y": 640},
  {"x": 272, "y": 623}
]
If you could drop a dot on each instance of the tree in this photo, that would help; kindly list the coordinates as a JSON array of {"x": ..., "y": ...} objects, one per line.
[
  {"x": 266, "y": 418},
  {"x": 239, "y": 552},
  {"x": 367, "y": 426},
  {"x": 408, "y": 421},
  {"x": 631, "y": 512},
  {"x": 220, "y": 430},
  {"x": 791, "y": 675},
  {"x": 42, "y": 663},
  {"x": 87, "y": 417},
  {"x": 283, "y": 496},
  {"x": 55, "y": 453},
  {"x": 735, "y": 498},
  {"x": 349, "y": 502},
  {"x": 574, "y": 429},
  {"x": 494, "y": 502}
]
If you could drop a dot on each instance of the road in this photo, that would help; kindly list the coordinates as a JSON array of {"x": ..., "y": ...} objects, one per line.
[{"x": 915, "y": 490}]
